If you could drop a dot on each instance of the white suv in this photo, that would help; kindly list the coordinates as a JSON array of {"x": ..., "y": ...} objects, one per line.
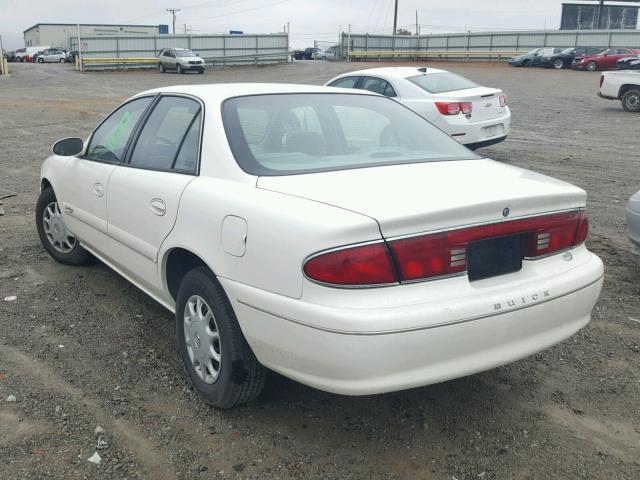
[{"x": 179, "y": 59}]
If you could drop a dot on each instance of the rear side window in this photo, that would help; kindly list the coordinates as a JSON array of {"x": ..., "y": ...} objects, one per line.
[
  {"x": 110, "y": 139},
  {"x": 378, "y": 85},
  {"x": 346, "y": 82},
  {"x": 442, "y": 82},
  {"x": 168, "y": 131}
]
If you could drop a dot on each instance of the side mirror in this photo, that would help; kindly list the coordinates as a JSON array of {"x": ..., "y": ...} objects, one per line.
[{"x": 67, "y": 147}]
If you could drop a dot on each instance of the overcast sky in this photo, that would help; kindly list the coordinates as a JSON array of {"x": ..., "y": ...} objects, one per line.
[{"x": 310, "y": 19}]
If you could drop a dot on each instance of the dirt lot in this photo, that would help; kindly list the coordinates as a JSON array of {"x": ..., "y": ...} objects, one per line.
[{"x": 81, "y": 347}]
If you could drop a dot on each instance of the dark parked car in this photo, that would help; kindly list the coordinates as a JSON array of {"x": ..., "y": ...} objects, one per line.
[
  {"x": 532, "y": 58},
  {"x": 308, "y": 53},
  {"x": 629, "y": 63},
  {"x": 564, "y": 59},
  {"x": 71, "y": 58},
  {"x": 10, "y": 56},
  {"x": 298, "y": 54}
]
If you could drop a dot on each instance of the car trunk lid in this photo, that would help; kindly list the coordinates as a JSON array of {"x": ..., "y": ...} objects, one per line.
[
  {"x": 485, "y": 101},
  {"x": 422, "y": 197}
]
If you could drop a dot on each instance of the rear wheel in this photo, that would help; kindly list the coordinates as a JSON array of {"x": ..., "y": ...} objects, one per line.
[
  {"x": 61, "y": 60},
  {"x": 40, "y": 60},
  {"x": 558, "y": 63},
  {"x": 631, "y": 100},
  {"x": 215, "y": 354},
  {"x": 592, "y": 66},
  {"x": 61, "y": 244},
  {"x": 161, "y": 68}
]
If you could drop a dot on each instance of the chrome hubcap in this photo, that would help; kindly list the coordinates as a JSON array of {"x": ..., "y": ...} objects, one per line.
[
  {"x": 55, "y": 230},
  {"x": 202, "y": 339}
]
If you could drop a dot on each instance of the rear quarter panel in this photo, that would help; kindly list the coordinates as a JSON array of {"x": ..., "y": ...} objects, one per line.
[{"x": 282, "y": 231}]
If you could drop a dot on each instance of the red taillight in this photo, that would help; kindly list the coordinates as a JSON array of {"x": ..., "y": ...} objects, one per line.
[
  {"x": 503, "y": 100},
  {"x": 443, "y": 253},
  {"x": 454, "y": 108},
  {"x": 362, "y": 265}
]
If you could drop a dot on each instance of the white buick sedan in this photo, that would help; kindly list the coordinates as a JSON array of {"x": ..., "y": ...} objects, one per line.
[
  {"x": 331, "y": 235},
  {"x": 474, "y": 115}
]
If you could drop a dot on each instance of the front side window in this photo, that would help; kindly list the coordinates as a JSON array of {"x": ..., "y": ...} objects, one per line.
[
  {"x": 165, "y": 133},
  {"x": 284, "y": 134},
  {"x": 442, "y": 82},
  {"x": 110, "y": 139}
]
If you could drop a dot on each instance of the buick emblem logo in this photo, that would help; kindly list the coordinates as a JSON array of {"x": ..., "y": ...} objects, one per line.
[{"x": 505, "y": 212}]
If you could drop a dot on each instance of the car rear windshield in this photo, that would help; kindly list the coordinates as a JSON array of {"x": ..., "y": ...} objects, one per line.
[
  {"x": 285, "y": 134},
  {"x": 185, "y": 53},
  {"x": 442, "y": 82}
]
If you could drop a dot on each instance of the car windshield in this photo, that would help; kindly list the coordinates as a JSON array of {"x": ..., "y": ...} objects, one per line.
[
  {"x": 284, "y": 134},
  {"x": 185, "y": 53},
  {"x": 567, "y": 51},
  {"x": 442, "y": 82},
  {"x": 533, "y": 52}
]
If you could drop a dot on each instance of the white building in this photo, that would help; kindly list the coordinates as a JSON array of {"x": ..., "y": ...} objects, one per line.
[{"x": 57, "y": 34}]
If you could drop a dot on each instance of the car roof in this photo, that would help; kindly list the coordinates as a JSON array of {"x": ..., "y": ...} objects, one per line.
[
  {"x": 397, "y": 72},
  {"x": 219, "y": 92}
]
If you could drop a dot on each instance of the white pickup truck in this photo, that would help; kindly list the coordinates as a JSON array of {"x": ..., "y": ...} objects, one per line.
[{"x": 622, "y": 85}]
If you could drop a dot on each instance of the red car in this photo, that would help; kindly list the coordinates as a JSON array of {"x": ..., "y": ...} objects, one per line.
[{"x": 604, "y": 60}]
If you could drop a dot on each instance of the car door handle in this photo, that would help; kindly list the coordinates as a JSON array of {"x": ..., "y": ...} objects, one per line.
[
  {"x": 98, "y": 189},
  {"x": 158, "y": 207}
]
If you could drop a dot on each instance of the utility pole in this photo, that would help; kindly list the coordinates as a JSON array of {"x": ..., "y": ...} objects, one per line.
[
  {"x": 173, "y": 13},
  {"x": 395, "y": 18},
  {"x": 417, "y": 24}
]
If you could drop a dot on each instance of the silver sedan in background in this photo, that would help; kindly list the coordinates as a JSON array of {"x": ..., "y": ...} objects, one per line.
[{"x": 633, "y": 218}]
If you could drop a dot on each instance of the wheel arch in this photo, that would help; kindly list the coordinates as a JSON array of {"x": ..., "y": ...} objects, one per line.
[
  {"x": 44, "y": 184},
  {"x": 177, "y": 262},
  {"x": 625, "y": 88}
]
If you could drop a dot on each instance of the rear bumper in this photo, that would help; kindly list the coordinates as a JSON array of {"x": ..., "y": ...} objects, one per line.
[
  {"x": 486, "y": 143},
  {"x": 359, "y": 350},
  {"x": 607, "y": 97},
  {"x": 493, "y": 130}
]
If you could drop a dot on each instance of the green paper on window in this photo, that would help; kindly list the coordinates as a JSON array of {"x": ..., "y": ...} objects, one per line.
[{"x": 116, "y": 136}]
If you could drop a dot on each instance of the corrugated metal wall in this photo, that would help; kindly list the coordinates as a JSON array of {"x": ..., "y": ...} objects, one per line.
[
  {"x": 229, "y": 49},
  {"x": 492, "y": 41}
]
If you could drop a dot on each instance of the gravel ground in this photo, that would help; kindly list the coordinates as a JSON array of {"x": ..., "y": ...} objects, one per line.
[{"x": 81, "y": 347}]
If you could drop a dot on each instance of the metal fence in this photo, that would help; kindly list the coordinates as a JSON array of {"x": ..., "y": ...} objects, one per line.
[
  {"x": 214, "y": 49},
  {"x": 489, "y": 41}
]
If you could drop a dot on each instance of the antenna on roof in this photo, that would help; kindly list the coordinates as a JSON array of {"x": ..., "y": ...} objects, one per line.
[{"x": 423, "y": 69}]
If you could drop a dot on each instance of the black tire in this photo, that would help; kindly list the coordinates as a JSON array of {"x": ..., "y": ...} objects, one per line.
[
  {"x": 526, "y": 63},
  {"x": 592, "y": 66},
  {"x": 240, "y": 378},
  {"x": 558, "y": 64},
  {"x": 631, "y": 100},
  {"x": 61, "y": 60},
  {"x": 40, "y": 60},
  {"x": 77, "y": 255},
  {"x": 200, "y": 71},
  {"x": 179, "y": 69},
  {"x": 161, "y": 68}
]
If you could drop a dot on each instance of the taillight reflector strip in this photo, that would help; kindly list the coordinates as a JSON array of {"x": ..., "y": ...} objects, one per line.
[{"x": 443, "y": 253}]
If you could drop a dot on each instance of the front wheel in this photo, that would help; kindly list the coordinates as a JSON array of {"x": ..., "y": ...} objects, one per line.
[
  {"x": 592, "y": 66},
  {"x": 215, "y": 354},
  {"x": 59, "y": 242},
  {"x": 558, "y": 64},
  {"x": 631, "y": 100},
  {"x": 161, "y": 68},
  {"x": 179, "y": 69},
  {"x": 61, "y": 60},
  {"x": 526, "y": 63},
  {"x": 40, "y": 60}
]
